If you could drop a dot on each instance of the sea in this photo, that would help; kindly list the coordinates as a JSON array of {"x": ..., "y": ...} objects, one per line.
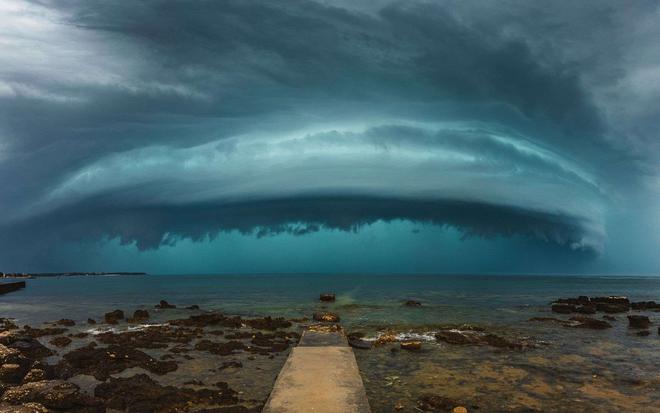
[{"x": 565, "y": 369}]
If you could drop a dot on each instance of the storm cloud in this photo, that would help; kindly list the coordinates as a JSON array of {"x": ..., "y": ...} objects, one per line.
[{"x": 156, "y": 121}]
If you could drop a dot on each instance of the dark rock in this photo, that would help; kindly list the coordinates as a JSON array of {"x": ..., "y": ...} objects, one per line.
[
  {"x": 644, "y": 305},
  {"x": 12, "y": 373},
  {"x": 164, "y": 304},
  {"x": 220, "y": 349},
  {"x": 209, "y": 319},
  {"x": 456, "y": 337},
  {"x": 411, "y": 345},
  {"x": 65, "y": 322},
  {"x": 609, "y": 317},
  {"x": 60, "y": 341},
  {"x": 28, "y": 346},
  {"x": 230, "y": 364},
  {"x": 588, "y": 322},
  {"x": 639, "y": 321},
  {"x": 327, "y": 297},
  {"x": 151, "y": 337},
  {"x": 41, "y": 332},
  {"x": 102, "y": 362},
  {"x": 139, "y": 316},
  {"x": 268, "y": 323},
  {"x": 563, "y": 308},
  {"x": 193, "y": 307},
  {"x": 326, "y": 317},
  {"x": 113, "y": 317},
  {"x": 612, "y": 299},
  {"x": 142, "y": 394},
  {"x": 412, "y": 303},
  {"x": 359, "y": 343},
  {"x": 586, "y": 309},
  {"x": 53, "y": 394},
  {"x": 91, "y": 321},
  {"x": 434, "y": 403},
  {"x": 611, "y": 308},
  {"x": 643, "y": 333}
]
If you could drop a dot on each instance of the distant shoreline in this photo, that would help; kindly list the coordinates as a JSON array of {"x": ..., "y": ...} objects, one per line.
[{"x": 66, "y": 274}]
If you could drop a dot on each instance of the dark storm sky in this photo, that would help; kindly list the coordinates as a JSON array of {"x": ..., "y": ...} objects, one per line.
[{"x": 255, "y": 136}]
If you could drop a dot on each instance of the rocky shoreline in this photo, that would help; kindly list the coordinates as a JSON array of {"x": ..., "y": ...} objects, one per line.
[
  {"x": 167, "y": 359},
  {"x": 114, "y": 365}
]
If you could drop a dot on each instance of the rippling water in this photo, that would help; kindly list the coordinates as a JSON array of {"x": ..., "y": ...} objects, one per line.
[{"x": 571, "y": 370}]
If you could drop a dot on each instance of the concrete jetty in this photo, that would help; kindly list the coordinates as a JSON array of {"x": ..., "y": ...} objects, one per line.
[
  {"x": 10, "y": 287},
  {"x": 320, "y": 376}
]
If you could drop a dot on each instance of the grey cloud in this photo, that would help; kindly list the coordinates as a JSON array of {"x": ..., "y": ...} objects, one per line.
[{"x": 149, "y": 82}]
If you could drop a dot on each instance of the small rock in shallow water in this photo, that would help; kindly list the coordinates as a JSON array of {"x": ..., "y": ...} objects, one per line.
[
  {"x": 588, "y": 322},
  {"x": 459, "y": 409},
  {"x": 192, "y": 307},
  {"x": 113, "y": 317},
  {"x": 60, "y": 341},
  {"x": 563, "y": 308},
  {"x": 359, "y": 343},
  {"x": 91, "y": 321},
  {"x": 412, "y": 303},
  {"x": 411, "y": 345},
  {"x": 164, "y": 304},
  {"x": 326, "y": 317},
  {"x": 643, "y": 333},
  {"x": 609, "y": 317},
  {"x": 327, "y": 297},
  {"x": 66, "y": 322},
  {"x": 433, "y": 403},
  {"x": 638, "y": 321}
]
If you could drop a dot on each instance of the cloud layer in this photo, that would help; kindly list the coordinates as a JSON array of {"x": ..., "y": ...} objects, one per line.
[{"x": 161, "y": 120}]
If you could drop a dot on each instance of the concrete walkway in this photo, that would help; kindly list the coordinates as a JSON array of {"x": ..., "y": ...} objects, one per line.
[{"x": 320, "y": 375}]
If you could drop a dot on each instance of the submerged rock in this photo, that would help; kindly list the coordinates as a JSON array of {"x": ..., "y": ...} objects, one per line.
[
  {"x": 563, "y": 308},
  {"x": 66, "y": 322},
  {"x": 588, "y": 322},
  {"x": 645, "y": 305},
  {"x": 102, "y": 362},
  {"x": 192, "y": 307},
  {"x": 113, "y": 317},
  {"x": 268, "y": 323},
  {"x": 412, "y": 303},
  {"x": 638, "y": 321},
  {"x": 60, "y": 341},
  {"x": 164, "y": 305},
  {"x": 434, "y": 403},
  {"x": 643, "y": 333},
  {"x": 327, "y": 297},
  {"x": 326, "y": 317}
]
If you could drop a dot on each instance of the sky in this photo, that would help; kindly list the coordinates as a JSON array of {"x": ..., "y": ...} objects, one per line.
[{"x": 330, "y": 136}]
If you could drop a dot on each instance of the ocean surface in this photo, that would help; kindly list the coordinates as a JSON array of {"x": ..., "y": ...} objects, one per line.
[{"x": 568, "y": 369}]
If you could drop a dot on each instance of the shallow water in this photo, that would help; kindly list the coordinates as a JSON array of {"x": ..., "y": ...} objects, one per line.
[{"x": 569, "y": 370}]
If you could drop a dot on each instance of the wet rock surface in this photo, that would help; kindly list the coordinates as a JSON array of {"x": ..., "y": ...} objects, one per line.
[
  {"x": 326, "y": 316},
  {"x": 639, "y": 321},
  {"x": 131, "y": 366},
  {"x": 140, "y": 393}
]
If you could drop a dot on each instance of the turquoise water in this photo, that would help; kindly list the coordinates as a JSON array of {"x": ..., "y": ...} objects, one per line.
[{"x": 361, "y": 299}]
